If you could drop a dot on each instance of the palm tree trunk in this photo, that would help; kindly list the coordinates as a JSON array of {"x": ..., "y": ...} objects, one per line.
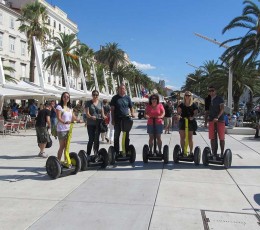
[
  {"x": 236, "y": 102},
  {"x": 32, "y": 64}
]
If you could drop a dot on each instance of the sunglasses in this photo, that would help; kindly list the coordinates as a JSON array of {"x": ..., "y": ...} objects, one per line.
[
  {"x": 66, "y": 96},
  {"x": 154, "y": 98},
  {"x": 94, "y": 95},
  {"x": 187, "y": 95},
  {"x": 211, "y": 90}
]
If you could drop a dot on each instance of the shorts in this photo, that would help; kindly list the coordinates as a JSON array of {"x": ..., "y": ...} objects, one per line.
[
  {"x": 167, "y": 121},
  {"x": 221, "y": 130},
  {"x": 191, "y": 125},
  {"x": 158, "y": 129},
  {"x": 62, "y": 135},
  {"x": 42, "y": 135}
]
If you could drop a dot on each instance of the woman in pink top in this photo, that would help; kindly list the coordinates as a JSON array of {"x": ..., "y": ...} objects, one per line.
[{"x": 154, "y": 110}]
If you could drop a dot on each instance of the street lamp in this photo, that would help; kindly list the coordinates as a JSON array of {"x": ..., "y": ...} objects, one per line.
[{"x": 230, "y": 73}]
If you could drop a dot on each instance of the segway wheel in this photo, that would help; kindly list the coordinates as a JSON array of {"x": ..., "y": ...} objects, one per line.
[
  {"x": 197, "y": 154},
  {"x": 176, "y": 153},
  {"x": 103, "y": 153},
  {"x": 227, "y": 158},
  {"x": 145, "y": 153},
  {"x": 76, "y": 162},
  {"x": 84, "y": 160},
  {"x": 132, "y": 154},
  {"x": 205, "y": 156},
  {"x": 166, "y": 154},
  {"x": 111, "y": 155},
  {"x": 53, "y": 167}
]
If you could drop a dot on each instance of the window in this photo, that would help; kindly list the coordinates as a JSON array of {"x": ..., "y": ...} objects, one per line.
[
  {"x": 1, "y": 40},
  {"x": 49, "y": 21},
  {"x": 11, "y": 22},
  {"x": 1, "y": 17},
  {"x": 12, "y": 65},
  {"x": 59, "y": 27},
  {"x": 23, "y": 71},
  {"x": 54, "y": 24},
  {"x": 23, "y": 45},
  {"x": 12, "y": 43}
]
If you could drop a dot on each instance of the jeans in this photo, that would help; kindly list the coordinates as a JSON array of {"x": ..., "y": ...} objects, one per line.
[
  {"x": 118, "y": 129},
  {"x": 91, "y": 134}
]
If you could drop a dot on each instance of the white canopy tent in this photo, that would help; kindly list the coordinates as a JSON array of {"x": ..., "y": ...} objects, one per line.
[{"x": 6, "y": 93}]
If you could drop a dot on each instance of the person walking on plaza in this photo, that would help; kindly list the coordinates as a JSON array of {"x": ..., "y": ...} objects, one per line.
[
  {"x": 154, "y": 110},
  {"x": 65, "y": 116},
  {"x": 107, "y": 109},
  {"x": 216, "y": 115},
  {"x": 188, "y": 109},
  {"x": 120, "y": 105},
  {"x": 53, "y": 119},
  {"x": 94, "y": 109},
  {"x": 207, "y": 104},
  {"x": 33, "y": 109},
  {"x": 168, "y": 116},
  {"x": 43, "y": 136}
]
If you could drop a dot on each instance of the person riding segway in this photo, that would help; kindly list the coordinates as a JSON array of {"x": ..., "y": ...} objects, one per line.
[
  {"x": 154, "y": 113},
  {"x": 216, "y": 130},
  {"x": 187, "y": 112},
  {"x": 120, "y": 105},
  {"x": 95, "y": 117},
  {"x": 72, "y": 164}
]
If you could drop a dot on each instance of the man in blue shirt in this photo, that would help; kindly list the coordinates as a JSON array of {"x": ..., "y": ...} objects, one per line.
[{"x": 120, "y": 105}]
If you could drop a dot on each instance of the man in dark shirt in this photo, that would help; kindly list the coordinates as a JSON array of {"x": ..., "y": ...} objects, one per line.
[
  {"x": 43, "y": 136},
  {"x": 216, "y": 115},
  {"x": 120, "y": 105}
]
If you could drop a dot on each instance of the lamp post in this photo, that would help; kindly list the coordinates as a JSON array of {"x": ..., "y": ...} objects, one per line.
[{"x": 230, "y": 74}]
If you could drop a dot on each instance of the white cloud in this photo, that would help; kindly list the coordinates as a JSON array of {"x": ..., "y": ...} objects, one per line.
[{"x": 143, "y": 66}]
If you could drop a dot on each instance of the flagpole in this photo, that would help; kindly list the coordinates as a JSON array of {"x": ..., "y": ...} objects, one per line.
[
  {"x": 105, "y": 79},
  {"x": 64, "y": 71},
  {"x": 95, "y": 77},
  {"x": 82, "y": 76},
  {"x": 38, "y": 63}
]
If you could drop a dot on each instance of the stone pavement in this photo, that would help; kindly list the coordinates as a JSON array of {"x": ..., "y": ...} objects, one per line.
[{"x": 139, "y": 196}]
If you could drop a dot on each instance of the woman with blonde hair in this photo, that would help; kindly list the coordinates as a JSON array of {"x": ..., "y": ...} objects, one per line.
[{"x": 188, "y": 109}]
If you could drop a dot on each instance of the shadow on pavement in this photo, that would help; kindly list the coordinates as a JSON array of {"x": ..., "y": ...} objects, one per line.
[
  {"x": 39, "y": 174},
  {"x": 17, "y": 157},
  {"x": 257, "y": 198}
]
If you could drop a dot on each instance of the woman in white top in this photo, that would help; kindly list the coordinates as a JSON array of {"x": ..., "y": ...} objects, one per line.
[{"x": 65, "y": 116}]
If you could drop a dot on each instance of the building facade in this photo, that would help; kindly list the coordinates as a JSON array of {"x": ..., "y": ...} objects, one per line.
[{"x": 13, "y": 44}]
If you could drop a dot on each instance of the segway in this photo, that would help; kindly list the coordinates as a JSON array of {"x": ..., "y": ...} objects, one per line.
[
  {"x": 185, "y": 156},
  {"x": 155, "y": 155},
  {"x": 128, "y": 152},
  {"x": 71, "y": 165},
  {"x": 212, "y": 157},
  {"x": 100, "y": 157}
]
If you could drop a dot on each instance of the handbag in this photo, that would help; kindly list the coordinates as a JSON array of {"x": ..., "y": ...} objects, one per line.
[{"x": 49, "y": 142}]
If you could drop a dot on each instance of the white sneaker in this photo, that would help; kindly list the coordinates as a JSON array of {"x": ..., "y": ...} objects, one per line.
[{"x": 43, "y": 155}]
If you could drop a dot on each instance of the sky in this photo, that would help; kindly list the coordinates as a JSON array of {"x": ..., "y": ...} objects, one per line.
[{"x": 157, "y": 35}]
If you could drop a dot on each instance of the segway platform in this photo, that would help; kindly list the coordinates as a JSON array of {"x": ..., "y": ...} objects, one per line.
[
  {"x": 156, "y": 156},
  {"x": 90, "y": 161},
  {"x": 179, "y": 156},
  {"x": 212, "y": 157},
  {"x": 129, "y": 156}
]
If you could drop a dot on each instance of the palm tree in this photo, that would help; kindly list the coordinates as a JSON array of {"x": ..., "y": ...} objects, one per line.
[
  {"x": 111, "y": 55},
  {"x": 67, "y": 43},
  {"x": 249, "y": 45},
  {"x": 33, "y": 23},
  {"x": 8, "y": 77}
]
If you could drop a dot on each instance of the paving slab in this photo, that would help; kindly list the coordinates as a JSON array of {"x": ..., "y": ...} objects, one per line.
[
  {"x": 98, "y": 216},
  {"x": 194, "y": 195},
  {"x": 17, "y": 214},
  {"x": 168, "y": 218}
]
